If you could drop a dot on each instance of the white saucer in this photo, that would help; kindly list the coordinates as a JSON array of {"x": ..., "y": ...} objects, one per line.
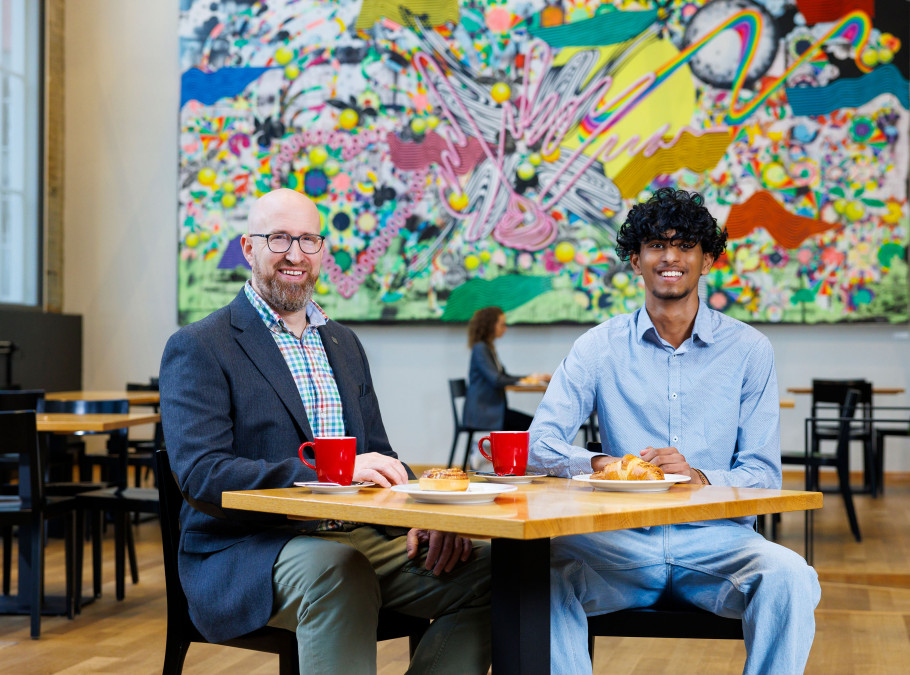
[
  {"x": 333, "y": 488},
  {"x": 509, "y": 479},
  {"x": 670, "y": 479},
  {"x": 477, "y": 493}
]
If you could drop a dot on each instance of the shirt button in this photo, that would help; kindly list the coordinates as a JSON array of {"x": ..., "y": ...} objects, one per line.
[
  {"x": 675, "y": 438},
  {"x": 673, "y": 395}
]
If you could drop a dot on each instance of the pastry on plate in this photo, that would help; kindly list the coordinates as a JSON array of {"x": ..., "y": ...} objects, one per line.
[
  {"x": 447, "y": 480},
  {"x": 629, "y": 467}
]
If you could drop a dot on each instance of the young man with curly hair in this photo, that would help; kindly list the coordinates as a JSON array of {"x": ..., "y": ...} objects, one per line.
[{"x": 694, "y": 392}]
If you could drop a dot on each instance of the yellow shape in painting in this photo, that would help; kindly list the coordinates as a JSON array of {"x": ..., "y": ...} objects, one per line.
[
  {"x": 671, "y": 103},
  {"x": 431, "y": 12},
  {"x": 564, "y": 252}
]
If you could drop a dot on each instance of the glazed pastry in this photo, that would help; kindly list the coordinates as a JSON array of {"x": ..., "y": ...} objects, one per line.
[
  {"x": 629, "y": 467},
  {"x": 448, "y": 480}
]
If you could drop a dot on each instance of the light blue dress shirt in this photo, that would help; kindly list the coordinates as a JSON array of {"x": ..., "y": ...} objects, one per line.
[{"x": 715, "y": 399}]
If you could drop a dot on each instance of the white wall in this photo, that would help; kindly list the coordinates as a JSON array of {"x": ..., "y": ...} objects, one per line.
[{"x": 122, "y": 93}]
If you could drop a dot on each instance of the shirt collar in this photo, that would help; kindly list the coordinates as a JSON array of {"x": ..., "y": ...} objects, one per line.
[
  {"x": 701, "y": 330},
  {"x": 314, "y": 314}
]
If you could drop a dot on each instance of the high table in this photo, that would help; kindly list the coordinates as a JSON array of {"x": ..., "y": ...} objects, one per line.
[
  {"x": 134, "y": 397},
  {"x": 520, "y": 524}
]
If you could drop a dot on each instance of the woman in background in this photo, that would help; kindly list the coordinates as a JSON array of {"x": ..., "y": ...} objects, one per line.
[{"x": 485, "y": 403}]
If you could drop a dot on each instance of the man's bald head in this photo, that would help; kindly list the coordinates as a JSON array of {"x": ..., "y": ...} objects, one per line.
[{"x": 278, "y": 204}]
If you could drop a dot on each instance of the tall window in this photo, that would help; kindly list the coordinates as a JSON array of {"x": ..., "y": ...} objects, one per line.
[{"x": 20, "y": 149}]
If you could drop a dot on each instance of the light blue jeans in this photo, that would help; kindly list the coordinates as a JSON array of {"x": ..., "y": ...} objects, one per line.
[{"x": 723, "y": 567}]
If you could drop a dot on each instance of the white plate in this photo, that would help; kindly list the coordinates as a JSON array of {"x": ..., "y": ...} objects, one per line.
[
  {"x": 512, "y": 480},
  {"x": 477, "y": 493},
  {"x": 333, "y": 488},
  {"x": 670, "y": 479}
]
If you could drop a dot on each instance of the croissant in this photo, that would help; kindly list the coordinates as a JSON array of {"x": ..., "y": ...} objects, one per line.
[{"x": 629, "y": 467}]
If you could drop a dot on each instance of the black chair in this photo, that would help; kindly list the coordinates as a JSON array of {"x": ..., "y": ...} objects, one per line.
[
  {"x": 666, "y": 619},
  {"x": 180, "y": 629},
  {"x": 15, "y": 399},
  {"x": 29, "y": 509},
  {"x": 902, "y": 428},
  {"x": 829, "y": 395},
  {"x": 458, "y": 389},
  {"x": 840, "y": 459},
  {"x": 142, "y": 455}
]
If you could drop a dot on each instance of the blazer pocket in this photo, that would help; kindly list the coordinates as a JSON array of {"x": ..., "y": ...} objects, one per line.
[{"x": 204, "y": 542}]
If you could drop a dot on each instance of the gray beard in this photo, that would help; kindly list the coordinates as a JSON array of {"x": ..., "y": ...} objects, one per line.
[
  {"x": 280, "y": 295},
  {"x": 283, "y": 297}
]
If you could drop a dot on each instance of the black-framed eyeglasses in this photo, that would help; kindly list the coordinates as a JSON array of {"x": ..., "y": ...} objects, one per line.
[{"x": 281, "y": 243}]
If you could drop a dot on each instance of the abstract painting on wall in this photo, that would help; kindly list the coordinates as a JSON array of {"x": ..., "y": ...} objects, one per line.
[{"x": 466, "y": 153}]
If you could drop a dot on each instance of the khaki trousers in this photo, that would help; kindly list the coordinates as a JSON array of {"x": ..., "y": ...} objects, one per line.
[{"x": 328, "y": 588}]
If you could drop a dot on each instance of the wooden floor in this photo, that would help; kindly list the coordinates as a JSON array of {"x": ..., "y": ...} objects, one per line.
[{"x": 863, "y": 621}]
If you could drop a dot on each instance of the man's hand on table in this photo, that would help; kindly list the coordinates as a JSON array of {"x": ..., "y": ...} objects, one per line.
[
  {"x": 671, "y": 461},
  {"x": 380, "y": 469},
  {"x": 444, "y": 552}
]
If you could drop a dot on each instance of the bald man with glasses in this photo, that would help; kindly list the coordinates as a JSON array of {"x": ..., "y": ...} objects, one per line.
[{"x": 240, "y": 391}]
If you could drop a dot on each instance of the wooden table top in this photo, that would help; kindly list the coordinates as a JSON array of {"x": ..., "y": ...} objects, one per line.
[
  {"x": 549, "y": 507},
  {"x": 134, "y": 397},
  {"x": 875, "y": 390},
  {"x": 69, "y": 423},
  {"x": 539, "y": 388}
]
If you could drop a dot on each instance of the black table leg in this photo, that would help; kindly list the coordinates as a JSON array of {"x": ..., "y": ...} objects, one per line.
[{"x": 521, "y": 606}]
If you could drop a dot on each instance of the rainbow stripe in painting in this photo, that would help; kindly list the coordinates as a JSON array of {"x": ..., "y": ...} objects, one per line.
[{"x": 854, "y": 27}]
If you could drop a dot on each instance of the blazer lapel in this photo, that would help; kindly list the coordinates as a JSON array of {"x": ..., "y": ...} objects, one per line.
[{"x": 259, "y": 345}]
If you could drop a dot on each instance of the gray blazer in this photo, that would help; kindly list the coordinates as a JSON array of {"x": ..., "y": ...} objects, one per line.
[
  {"x": 485, "y": 403},
  {"x": 233, "y": 420}
]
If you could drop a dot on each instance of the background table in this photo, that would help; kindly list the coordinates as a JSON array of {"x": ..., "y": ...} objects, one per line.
[
  {"x": 71, "y": 423},
  {"x": 875, "y": 390},
  {"x": 134, "y": 397},
  {"x": 520, "y": 524}
]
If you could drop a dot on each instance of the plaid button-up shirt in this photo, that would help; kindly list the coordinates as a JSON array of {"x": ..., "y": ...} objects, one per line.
[
  {"x": 312, "y": 373},
  {"x": 309, "y": 365}
]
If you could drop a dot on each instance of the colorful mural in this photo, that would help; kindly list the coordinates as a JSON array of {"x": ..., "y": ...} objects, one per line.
[{"x": 466, "y": 153}]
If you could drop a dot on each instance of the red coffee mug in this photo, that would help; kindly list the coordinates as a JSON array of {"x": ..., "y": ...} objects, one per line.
[
  {"x": 334, "y": 458},
  {"x": 510, "y": 452}
]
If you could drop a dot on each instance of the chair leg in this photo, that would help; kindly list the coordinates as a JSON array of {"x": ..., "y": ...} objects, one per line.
[
  {"x": 467, "y": 451},
  {"x": 37, "y": 574},
  {"x": 843, "y": 475},
  {"x": 69, "y": 557},
  {"x": 288, "y": 662},
  {"x": 869, "y": 466},
  {"x": 120, "y": 552},
  {"x": 175, "y": 650},
  {"x": 7, "y": 558},
  {"x": 78, "y": 558},
  {"x": 880, "y": 461},
  {"x": 454, "y": 446},
  {"x": 96, "y": 517},
  {"x": 131, "y": 549}
]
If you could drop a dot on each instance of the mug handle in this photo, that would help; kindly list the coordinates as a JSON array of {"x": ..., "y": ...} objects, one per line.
[
  {"x": 480, "y": 446},
  {"x": 300, "y": 452}
]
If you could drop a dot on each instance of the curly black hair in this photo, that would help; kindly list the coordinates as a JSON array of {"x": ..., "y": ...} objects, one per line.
[{"x": 668, "y": 209}]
